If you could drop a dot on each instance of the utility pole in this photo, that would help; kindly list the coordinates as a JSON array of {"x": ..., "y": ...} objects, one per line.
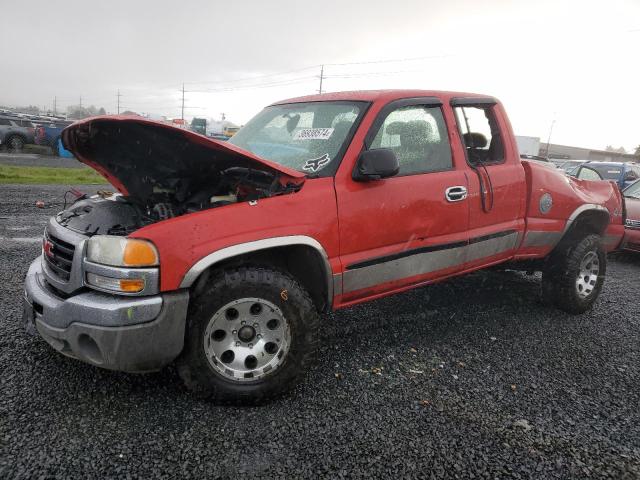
[
  {"x": 549, "y": 137},
  {"x": 182, "y": 102},
  {"x": 118, "y": 96},
  {"x": 321, "y": 78},
  {"x": 55, "y": 99},
  {"x": 80, "y": 102}
]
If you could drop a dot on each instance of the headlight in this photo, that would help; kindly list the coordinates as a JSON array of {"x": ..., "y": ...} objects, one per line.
[{"x": 121, "y": 251}]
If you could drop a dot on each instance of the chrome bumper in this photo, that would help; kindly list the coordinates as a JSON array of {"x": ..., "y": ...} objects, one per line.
[{"x": 133, "y": 334}]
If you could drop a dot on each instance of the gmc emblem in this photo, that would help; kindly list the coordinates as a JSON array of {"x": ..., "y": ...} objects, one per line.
[{"x": 47, "y": 248}]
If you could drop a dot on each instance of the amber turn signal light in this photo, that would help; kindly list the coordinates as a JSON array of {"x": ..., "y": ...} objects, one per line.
[{"x": 139, "y": 253}]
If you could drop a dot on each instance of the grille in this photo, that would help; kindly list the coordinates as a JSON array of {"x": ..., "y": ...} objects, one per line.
[
  {"x": 632, "y": 223},
  {"x": 59, "y": 256}
]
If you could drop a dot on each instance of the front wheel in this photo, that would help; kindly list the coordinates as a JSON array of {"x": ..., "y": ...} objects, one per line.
[
  {"x": 574, "y": 276},
  {"x": 252, "y": 333}
]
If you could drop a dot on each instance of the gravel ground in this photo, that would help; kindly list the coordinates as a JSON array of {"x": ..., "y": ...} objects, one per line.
[
  {"x": 37, "y": 160},
  {"x": 416, "y": 385}
]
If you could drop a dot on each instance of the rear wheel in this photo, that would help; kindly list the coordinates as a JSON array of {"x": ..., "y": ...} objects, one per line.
[
  {"x": 574, "y": 276},
  {"x": 252, "y": 333}
]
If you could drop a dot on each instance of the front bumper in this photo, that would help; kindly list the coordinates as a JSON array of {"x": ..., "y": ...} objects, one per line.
[{"x": 132, "y": 334}]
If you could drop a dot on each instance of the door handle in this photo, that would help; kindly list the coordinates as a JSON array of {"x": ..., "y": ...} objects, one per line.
[{"x": 456, "y": 194}]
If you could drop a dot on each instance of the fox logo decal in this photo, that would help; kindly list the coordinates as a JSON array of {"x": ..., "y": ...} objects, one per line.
[{"x": 316, "y": 164}]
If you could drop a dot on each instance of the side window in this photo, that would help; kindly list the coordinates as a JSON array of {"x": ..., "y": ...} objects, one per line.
[
  {"x": 586, "y": 173},
  {"x": 480, "y": 134},
  {"x": 417, "y": 134},
  {"x": 4, "y": 122},
  {"x": 631, "y": 175}
]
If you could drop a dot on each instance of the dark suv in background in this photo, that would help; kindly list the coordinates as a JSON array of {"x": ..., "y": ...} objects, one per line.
[{"x": 15, "y": 132}]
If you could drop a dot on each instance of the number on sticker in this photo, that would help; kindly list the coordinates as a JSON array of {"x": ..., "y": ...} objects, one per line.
[{"x": 313, "y": 134}]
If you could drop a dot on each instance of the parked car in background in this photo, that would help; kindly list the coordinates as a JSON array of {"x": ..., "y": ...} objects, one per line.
[
  {"x": 48, "y": 134},
  {"x": 219, "y": 136},
  {"x": 230, "y": 131},
  {"x": 632, "y": 223},
  {"x": 584, "y": 172},
  {"x": 569, "y": 166},
  {"x": 16, "y": 132},
  {"x": 623, "y": 173}
]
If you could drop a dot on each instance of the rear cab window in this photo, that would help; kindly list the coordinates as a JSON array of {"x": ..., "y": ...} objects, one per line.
[{"x": 480, "y": 133}]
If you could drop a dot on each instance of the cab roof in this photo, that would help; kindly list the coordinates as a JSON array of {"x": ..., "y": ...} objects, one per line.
[{"x": 381, "y": 95}]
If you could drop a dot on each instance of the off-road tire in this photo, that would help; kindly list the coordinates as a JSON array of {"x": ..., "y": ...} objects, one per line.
[
  {"x": 274, "y": 286},
  {"x": 561, "y": 272},
  {"x": 15, "y": 143}
]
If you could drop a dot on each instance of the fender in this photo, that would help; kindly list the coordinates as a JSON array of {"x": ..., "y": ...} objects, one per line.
[
  {"x": 242, "y": 248},
  {"x": 578, "y": 211},
  {"x": 551, "y": 239}
]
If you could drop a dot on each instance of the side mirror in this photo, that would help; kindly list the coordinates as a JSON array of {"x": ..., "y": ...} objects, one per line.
[
  {"x": 630, "y": 176},
  {"x": 587, "y": 173},
  {"x": 376, "y": 164}
]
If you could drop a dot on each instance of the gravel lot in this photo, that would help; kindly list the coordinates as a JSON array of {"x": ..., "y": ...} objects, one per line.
[{"x": 417, "y": 385}]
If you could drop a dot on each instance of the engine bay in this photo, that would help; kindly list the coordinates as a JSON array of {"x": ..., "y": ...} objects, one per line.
[{"x": 108, "y": 213}]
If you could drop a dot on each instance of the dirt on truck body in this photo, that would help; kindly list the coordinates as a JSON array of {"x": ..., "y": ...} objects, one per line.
[{"x": 222, "y": 256}]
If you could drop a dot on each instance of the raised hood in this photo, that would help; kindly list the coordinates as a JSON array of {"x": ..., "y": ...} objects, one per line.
[{"x": 140, "y": 157}]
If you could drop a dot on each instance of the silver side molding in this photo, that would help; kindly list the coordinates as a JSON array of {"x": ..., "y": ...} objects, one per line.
[
  {"x": 242, "y": 248},
  {"x": 425, "y": 262}
]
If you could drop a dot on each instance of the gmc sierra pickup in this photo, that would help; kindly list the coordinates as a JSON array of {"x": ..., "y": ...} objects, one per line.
[{"x": 221, "y": 256}]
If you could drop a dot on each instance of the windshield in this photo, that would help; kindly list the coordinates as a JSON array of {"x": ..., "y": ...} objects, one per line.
[
  {"x": 633, "y": 190},
  {"x": 608, "y": 172},
  {"x": 307, "y": 137}
]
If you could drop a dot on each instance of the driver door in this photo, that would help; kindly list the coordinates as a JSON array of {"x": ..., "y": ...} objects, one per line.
[{"x": 411, "y": 228}]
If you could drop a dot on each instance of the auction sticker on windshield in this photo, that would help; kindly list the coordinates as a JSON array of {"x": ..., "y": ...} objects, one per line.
[{"x": 313, "y": 134}]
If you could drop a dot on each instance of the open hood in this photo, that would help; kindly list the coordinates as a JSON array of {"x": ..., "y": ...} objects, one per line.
[{"x": 140, "y": 157}]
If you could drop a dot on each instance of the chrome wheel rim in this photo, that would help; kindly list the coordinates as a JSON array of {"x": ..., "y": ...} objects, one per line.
[
  {"x": 247, "y": 339},
  {"x": 588, "y": 274}
]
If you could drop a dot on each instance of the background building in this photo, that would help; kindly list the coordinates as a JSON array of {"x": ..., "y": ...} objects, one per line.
[{"x": 564, "y": 151}]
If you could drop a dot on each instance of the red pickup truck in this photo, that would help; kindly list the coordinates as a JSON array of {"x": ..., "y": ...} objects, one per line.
[{"x": 221, "y": 256}]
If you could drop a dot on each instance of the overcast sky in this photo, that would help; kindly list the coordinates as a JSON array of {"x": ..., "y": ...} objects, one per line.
[{"x": 575, "y": 61}]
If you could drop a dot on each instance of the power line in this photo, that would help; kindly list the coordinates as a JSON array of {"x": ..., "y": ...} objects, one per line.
[
  {"x": 255, "y": 77},
  {"x": 278, "y": 83},
  {"x": 395, "y": 60},
  {"x": 310, "y": 67}
]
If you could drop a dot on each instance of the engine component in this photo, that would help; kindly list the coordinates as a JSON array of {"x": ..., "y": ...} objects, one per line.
[{"x": 163, "y": 211}]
